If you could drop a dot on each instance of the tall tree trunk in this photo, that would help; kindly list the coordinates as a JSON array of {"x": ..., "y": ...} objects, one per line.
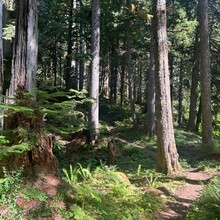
[
  {"x": 122, "y": 87},
  {"x": 55, "y": 62},
  {"x": 114, "y": 72},
  {"x": 140, "y": 79},
  {"x": 129, "y": 68},
  {"x": 23, "y": 78},
  {"x": 82, "y": 49},
  {"x": 69, "y": 69},
  {"x": 1, "y": 67},
  {"x": 115, "y": 93},
  {"x": 151, "y": 88},
  {"x": 75, "y": 64},
  {"x": 207, "y": 137},
  {"x": 25, "y": 47},
  {"x": 180, "y": 94},
  {"x": 94, "y": 83},
  {"x": 199, "y": 115},
  {"x": 167, "y": 156},
  {"x": 194, "y": 87},
  {"x": 105, "y": 79},
  {"x": 171, "y": 78}
]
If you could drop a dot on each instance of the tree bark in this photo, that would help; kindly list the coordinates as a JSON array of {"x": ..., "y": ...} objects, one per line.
[
  {"x": 1, "y": 67},
  {"x": 55, "y": 62},
  {"x": 199, "y": 115},
  {"x": 25, "y": 47},
  {"x": 207, "y": 137},
  {"x": 94, "y": 83},
  {"x": 105, "y": 78},
  {"x": 194, "y": 87},
  {"x": 122, "y": 86},
  {"x": 23, "y": 78},
  {"x": 69, "y": 68},
  {"x": 82, "y": 49},
  {"x": 140, "y": 79},
  {"x": 180, "y": 94},
  {"x": 151, "y": 89},
  {"x": 128, "y": 63},
  {"x": 167, "y": 156}
]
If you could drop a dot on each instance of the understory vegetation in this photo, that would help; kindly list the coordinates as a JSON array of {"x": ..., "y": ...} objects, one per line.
[{"x": 90, "y": 187}]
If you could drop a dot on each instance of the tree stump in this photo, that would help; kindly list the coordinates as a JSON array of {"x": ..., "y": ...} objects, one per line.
[{"x": 111, "y": 152}]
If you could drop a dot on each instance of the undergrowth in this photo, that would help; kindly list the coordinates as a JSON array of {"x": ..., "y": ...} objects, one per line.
[
  {"x": 208, "y": 205},
  {"x": 106, "y": 194},
  {"x": 11, "y": 189}
]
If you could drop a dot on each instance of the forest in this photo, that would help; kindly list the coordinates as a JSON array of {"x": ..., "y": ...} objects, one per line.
[{"x": 110, "y": 109}]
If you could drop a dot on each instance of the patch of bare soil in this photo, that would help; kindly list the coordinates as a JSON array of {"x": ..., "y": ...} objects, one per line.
[
  {"x": 47, "y": 183},
  {"x": 177, "y": 207}
]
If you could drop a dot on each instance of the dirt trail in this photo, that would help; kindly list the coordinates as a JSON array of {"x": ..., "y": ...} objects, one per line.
[{"x": 184, "y": 195}]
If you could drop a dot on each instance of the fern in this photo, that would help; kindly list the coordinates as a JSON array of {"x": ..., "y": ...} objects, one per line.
[
  {"x": 151, "y": 180},
  {"x": 71, "y": 176},
  {"x": 14, "y": 149},
  {"x": 32, "y": 193},
  {"x": 64, "y": 110},
  {"x": 84, "y": 172},
  {"x": 16, "y": 108},
  {"x": 139, "y": 170}
]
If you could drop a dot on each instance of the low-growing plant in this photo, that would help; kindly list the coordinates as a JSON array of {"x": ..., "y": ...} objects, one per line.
[
  {"x": 139, "y": 170},
  {"x": 151, "y": 179},
  {"x": 71, "y": 176},
  {"x": 30, "y": 193},
  {"x": 84, "y": 172},
  {"x": 9, "y": 191},
  {"x": 76, "y": 174},
  {"x": 111, "y": 197}
]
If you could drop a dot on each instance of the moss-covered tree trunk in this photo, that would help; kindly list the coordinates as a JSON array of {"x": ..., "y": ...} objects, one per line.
[{"x": 167, "y": 156}]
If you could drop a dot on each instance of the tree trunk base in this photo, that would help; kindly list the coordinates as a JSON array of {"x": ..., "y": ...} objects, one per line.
[{"x": 39, "y": 158}]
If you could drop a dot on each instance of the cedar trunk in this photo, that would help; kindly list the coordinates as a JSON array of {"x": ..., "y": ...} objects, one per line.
[
  {"x": 23, "y": 78},
  {"x": 167, "y": 156},
  {"x": 25, "y": 47}
]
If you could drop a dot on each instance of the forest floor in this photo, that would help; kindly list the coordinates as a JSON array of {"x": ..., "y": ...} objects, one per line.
[{"x": 185, "y": 186}]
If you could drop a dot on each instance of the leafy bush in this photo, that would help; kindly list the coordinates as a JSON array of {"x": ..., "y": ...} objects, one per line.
[{"x": 208, "y": 206}]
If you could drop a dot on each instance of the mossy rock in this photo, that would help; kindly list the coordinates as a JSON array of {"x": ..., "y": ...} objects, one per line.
[{"x": 123, "y": 177}]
